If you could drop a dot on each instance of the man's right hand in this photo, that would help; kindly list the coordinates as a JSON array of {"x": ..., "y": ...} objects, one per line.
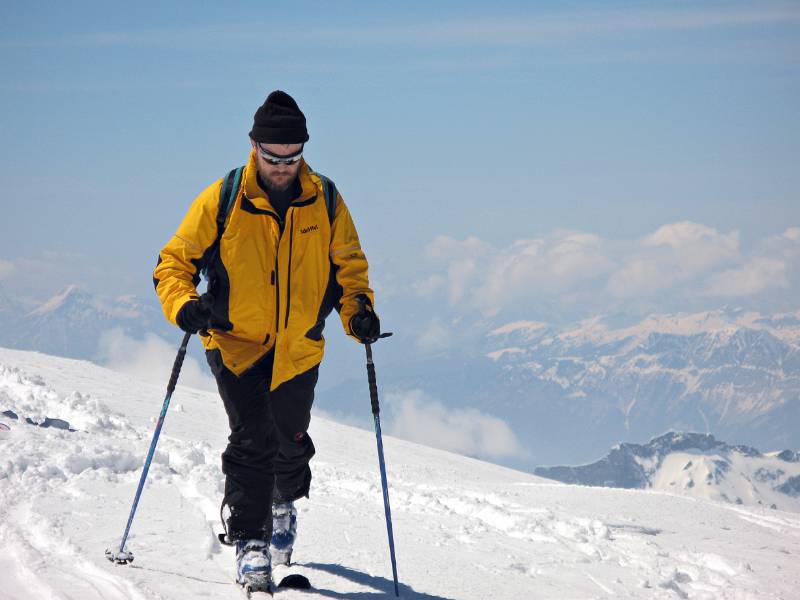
[{"x": 195, "y": 314}]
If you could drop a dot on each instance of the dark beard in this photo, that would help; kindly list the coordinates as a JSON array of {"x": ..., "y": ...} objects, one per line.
[
  {"x": 283, "y": 195},
  {"x": 273, "y": 186}
]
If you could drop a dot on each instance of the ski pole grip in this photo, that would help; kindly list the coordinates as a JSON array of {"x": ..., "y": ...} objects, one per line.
[
  {"x": 176, "y": 367},
  {"x": 373, "y": 389}
]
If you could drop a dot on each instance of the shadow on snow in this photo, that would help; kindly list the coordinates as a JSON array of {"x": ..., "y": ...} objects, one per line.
[{"x": 384, "y": 587}]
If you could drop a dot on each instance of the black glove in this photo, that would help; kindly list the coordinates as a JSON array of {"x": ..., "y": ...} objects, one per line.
[
  {"x": 365, "y": 325},
  {"x": 195, "y": 314}
]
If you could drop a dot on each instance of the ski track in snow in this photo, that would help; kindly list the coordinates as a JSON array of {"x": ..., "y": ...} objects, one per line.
[{"x": 463, "y": 529}]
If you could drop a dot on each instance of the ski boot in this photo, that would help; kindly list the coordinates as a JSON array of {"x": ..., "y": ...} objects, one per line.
[
  {"x": 284, "y": 532},
  {"x": 253, "y": 566}
]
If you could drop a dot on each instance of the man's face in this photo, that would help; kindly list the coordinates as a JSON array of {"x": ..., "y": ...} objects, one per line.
[{"x": 278, "y": 176}]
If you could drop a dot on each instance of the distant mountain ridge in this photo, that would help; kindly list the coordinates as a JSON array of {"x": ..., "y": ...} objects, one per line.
[
  {"x": 732, "y": 373},
  {"x": 72, "y": 322},
  {"x": 694, "y": 464}
]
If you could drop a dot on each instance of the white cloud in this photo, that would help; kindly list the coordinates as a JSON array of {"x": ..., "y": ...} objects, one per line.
[
  {"x": 792, "y": 234},
  {"x": 569, "y": 270},
  {"x": 6, "y": 268},
  {"x": 751, "y": 278},
  {"x": 461, "y": 259},
  {"x": 774, "y": 264},
  {"x": 479, "y": 276},
  {"x": 416, "y": 417},
  {"x": 447, "y": 248},
  {"x": 695, "y": 247},
  {"x": 786, "y": 245},
  {"x": 672, "y": 257},
  {"x": 151, "y": 360},
  {"x": 435, "y": 337},
  {"x": 549, "y": 265},
  {"x": 637, "y": 277},
  {"x": 429, "y": 286}
]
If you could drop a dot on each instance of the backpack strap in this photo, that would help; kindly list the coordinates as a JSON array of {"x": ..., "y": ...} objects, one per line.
[
  {"x": 333, "y": 291},
  {"x": 329, "y": 188},
  {"x": 227, "y": 196}
]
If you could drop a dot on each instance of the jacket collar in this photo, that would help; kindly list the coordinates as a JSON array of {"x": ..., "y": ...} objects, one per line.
[{"x": 258, "y": 197}]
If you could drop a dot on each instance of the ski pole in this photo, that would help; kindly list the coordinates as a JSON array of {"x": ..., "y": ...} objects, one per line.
[
  {"x": 376, "y": 410},
  {"x": 122, "y": 556},
  {"x": 373, "y": 394}
]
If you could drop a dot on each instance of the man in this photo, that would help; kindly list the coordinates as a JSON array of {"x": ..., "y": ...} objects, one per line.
[{"x": 277, "y": 262}]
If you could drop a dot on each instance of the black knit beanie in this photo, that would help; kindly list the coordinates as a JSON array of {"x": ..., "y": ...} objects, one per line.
[{"x": 279, "y": 121}]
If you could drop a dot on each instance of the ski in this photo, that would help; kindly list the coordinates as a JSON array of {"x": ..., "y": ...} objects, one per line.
[{"x": 255, "y": 594}]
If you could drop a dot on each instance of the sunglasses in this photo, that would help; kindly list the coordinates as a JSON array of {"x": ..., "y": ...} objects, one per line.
[{"x": 277, "y": 159}]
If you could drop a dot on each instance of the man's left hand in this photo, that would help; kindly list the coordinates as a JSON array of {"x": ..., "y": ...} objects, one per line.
[{"x": 366, "y": 326}]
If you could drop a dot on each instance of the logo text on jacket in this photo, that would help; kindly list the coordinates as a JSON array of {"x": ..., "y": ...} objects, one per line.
[{"x": 309, "y": 228}]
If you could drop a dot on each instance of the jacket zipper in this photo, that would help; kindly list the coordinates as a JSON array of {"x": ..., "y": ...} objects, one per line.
[
  {"x": 276, "y": 280},
  {"x": 276, "y": 277},
  {"x": 289, "y": 274},
  {"x": 277, "y": 295}
]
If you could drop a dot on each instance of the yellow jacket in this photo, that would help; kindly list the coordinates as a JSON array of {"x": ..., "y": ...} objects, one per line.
[{"x": 271, "y": 288}]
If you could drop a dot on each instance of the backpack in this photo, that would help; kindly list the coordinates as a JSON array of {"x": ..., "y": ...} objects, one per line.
[{"x": 227, "y": 196}]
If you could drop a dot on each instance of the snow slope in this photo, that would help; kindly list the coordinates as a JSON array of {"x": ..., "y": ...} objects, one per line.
[{"x": 463, "y": 528}]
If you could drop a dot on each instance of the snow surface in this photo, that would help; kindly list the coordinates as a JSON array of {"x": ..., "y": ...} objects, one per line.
[
  {"x": 463, "y": 528},
  {"x": 732, "y": 477}
]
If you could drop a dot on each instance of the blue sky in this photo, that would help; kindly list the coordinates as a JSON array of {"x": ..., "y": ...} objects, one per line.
[
  {"x": 456, "y": 131},
  {"x": 503, "y": 160}
]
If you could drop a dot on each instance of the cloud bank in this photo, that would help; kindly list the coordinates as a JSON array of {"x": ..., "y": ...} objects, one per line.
[
  {"x": 150, "y": 360},
  {"x": 678, "y": 262},
  {"x": 416, "y": 417},
  {"x": 6, "y": 268}
]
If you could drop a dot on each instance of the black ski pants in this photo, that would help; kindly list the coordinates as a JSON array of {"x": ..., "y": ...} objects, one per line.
[{"x": 268, "y": 448}]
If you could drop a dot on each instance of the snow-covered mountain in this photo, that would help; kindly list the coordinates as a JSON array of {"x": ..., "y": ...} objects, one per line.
[
  {"x": 734, "y": 374},
  {"x": 697, "y": 465},
  {"x": 72, "y": 322},
  {"x": 463, "y": 528},
  {"x": 569, "y": 393}
]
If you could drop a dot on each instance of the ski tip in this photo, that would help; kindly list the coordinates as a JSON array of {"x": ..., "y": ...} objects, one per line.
[
  {"x": 257, "y": 592},
  {"x": 295, "y": 581}
]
